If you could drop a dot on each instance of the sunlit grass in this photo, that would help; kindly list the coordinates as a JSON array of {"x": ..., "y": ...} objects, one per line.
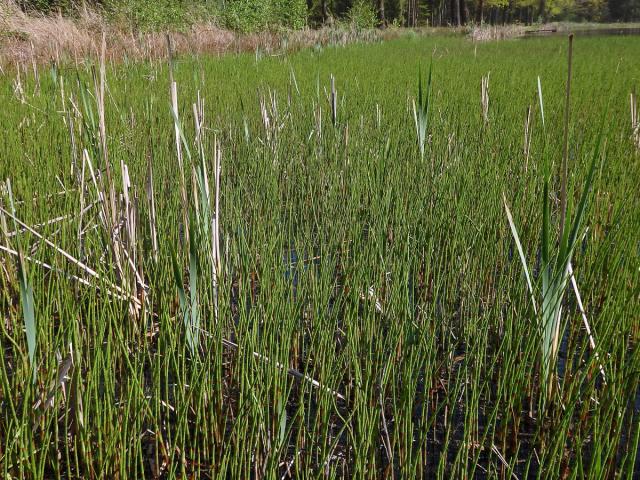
[{"x": 319, "y": 286}]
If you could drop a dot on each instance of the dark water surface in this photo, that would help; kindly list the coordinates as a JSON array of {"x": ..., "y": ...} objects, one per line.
[{"x": 587, "y": 32}]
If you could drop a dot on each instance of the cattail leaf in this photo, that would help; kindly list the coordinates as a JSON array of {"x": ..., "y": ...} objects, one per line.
[
  {"x": 28, "y": 314},
  {"x": 523, "y": 260}
]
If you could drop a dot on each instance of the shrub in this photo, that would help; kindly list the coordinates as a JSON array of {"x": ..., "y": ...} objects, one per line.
[
  {"x": 362, "y": 16},
  {"x": 254, "y": 15},
  {"x": 144, "y": 15},
  {"x": 246, "y": 15},
  {"x": 290, "y": 13}
]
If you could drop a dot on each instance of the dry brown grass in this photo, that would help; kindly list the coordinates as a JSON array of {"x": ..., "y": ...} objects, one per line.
[
  {"x": 41, "y": 38},
  {"x": 28, "y": 39},
  {"x": 25, "y": 37},
  {"x": 487, "y": 32}
]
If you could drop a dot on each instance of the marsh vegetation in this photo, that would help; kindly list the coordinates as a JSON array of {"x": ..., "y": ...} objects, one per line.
[{"x": 413, "y": 259}]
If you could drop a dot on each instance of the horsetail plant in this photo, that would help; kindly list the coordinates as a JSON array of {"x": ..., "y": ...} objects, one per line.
[{"x": 364, "y": 326}]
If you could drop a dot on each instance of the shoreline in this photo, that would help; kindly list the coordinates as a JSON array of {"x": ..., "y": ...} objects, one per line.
[{"x": 29, "y": 40}]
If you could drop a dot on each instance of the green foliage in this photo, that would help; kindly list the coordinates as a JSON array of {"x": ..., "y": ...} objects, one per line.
[
  {"x": 624, "y": 10},
  {"x": 362, "y": 15},
  {"x": 144, "y": 15},
  {"x": 289, "y": 13},
  {"x": 246, "y": 15},
  {"x": 592, "y": 10},
  {"x": 255, "y": 15},
  {"x": 556, "y": 265},
  {"x": 497, "y": 3}
]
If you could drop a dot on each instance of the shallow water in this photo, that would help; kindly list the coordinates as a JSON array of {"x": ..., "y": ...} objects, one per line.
[{"x": 587, "y": 32}]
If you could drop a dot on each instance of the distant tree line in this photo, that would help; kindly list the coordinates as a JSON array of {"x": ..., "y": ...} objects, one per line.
[{"x": 258, "y": 14}]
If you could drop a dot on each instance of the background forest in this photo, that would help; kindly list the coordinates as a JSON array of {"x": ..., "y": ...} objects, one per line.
[{"x": 254, "y": 15}]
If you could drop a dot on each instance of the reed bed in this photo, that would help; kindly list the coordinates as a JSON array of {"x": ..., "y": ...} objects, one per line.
[{"x": 301, "y": 266}]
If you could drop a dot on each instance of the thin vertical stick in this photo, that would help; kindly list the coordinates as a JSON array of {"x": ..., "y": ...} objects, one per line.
[
  {"x": 170, "y": 55},
  {"x": 565, "y": 152},
  {"x": 217, "y": 154}
]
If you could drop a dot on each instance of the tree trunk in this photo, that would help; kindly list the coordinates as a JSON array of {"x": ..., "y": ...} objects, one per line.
[
  {"x": 457, "y": 6},
  {"x": 542, "y": 12},
  {"x": 325, "y": 11},
  {"x": 480, "y": 16},
  {"x": 383, "y": 21},
  {"x": 464, "y": 11},
  {"x": 411, "y": 13}
]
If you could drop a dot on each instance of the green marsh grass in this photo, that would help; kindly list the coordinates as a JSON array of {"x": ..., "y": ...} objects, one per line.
[{"x": 360, "y": 312}]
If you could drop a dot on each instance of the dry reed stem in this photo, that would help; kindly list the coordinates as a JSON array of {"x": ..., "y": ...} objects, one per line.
[
  {"x": 80, "y": 280},
  {"x": 484, "y": 97},
  {"x": 71, "y": 258},
  {"x": 592, "y": 342}
]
